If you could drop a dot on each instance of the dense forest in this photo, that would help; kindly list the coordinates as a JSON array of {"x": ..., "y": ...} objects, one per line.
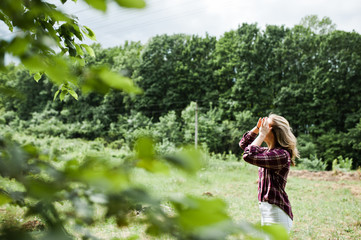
[{"x": 313, "y": 79}]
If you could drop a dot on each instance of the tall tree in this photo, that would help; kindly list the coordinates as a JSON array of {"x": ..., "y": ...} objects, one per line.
[
  {"x": 174, "y": 71},
  {"x": 318, "y": 26},
  {"x": 337, "y": 80},
  {"x": 294, "y": 99}
]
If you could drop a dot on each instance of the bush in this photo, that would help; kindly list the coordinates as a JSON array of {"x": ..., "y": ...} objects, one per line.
[
  {"x": 305, "y": 146},
  {"x": 211, "y": 131},
  {"x": 125, "y": 127},
  {"x": 165, "y": 147},
  {"x": 10, "y": 116},
  {"x": 332, "y": 144},
  {"x": 313, "y": 163},
  {"x": 341, "y": 164},
  {"x": 169, "y": 128}
]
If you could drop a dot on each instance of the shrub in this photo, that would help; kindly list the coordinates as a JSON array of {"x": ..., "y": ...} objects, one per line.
[
  {"x": 211, "y": 131},
  {"x": 165, "y": 147},
  {"x": 332, "y": 144},
  {"x": 305, "y": 146},
  {"x": 169, "y": 128},
  {"x": 341, "y": 164},
  {"x": 9, "y": 116},
  {"x": 313, "y": 163}
]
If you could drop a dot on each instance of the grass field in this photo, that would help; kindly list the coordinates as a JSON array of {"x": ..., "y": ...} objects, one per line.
[
  {"x": 322, "y": 209},
  {"x": 324, "y": 206}
]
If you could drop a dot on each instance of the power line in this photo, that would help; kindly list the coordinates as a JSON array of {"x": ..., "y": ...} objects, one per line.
[
  {"x": 158, "y": 20},
  {"x": 137, "y": 15}
]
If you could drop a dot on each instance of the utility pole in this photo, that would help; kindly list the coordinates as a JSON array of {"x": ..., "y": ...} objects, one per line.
[{"x": 196, "y": 127}]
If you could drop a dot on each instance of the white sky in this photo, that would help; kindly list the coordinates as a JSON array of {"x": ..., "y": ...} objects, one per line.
[
  {"x": 212, "y": 16},
  {"x": 201, "y": 16}
]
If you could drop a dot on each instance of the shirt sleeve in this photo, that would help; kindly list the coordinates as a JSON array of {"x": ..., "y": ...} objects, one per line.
[
  {"x": 272, "y": 159},
  {"x": 247, "y": 139}
]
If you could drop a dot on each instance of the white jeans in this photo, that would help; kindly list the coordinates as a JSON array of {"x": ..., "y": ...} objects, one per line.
[{"x": 273, "y": 214}]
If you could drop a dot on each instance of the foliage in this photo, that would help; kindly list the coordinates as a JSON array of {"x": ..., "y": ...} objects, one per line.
[
  {"x": 305, "y": 146},
  {"x": 312, "y": 163},
  {"x": 341, "y": 164},
  {"x": 43, "y": 27},
  {"x": 310, "y": 74},
  {"x": 93, "y": 180},
  {"x": 83, "y": 184},
  {"x": 210, "y": 128},
  {"x": 330, "y": 145},
  {"x": 175, "y": 70},
  {"x": 322, "y": 26},
  {"x": 310, "y": 78}
]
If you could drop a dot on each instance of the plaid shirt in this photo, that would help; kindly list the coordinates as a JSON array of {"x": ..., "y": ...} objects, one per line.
[{"x": 274, "y": 165}]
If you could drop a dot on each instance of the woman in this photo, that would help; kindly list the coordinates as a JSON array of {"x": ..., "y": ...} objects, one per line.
[{"x": 274, "y": 164}]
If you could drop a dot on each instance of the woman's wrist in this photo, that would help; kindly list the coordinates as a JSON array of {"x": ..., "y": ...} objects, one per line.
[
  {"x": 262, "y": 135},
  {"x": 255, "y": 130}
]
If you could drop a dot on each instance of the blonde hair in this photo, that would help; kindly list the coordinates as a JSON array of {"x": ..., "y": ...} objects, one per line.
[{"x": 284, "y": 136}]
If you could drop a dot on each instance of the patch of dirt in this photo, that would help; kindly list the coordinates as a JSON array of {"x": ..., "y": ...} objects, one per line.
[
  {"x": 326, "y": 175},
  {"x": 335, "y": 176}
]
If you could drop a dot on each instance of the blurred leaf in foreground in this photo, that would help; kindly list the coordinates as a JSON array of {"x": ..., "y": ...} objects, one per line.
[
  {"x": 146, "y": 157},
  {"x": 199, "y": 217},
  {"x": 188, "y": 159}
]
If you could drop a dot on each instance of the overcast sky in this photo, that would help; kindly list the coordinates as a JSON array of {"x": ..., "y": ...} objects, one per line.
[
  {"x": 200, "y": 16},
  {"x": 212, "y": 16}
]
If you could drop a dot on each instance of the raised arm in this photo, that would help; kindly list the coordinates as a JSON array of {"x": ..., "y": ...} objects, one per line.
[
  {"x": 273, "y": 159},
  {"x": 250, "y": 136}
]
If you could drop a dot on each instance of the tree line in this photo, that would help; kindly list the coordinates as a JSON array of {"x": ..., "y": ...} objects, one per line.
[{"x": 312, "y": 79}]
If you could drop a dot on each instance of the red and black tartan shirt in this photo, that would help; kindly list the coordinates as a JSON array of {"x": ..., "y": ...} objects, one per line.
[{"x": 274, "y": 166}]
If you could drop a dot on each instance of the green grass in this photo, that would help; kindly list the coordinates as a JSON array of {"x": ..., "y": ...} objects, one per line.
[{"x": 322, "y": 209}]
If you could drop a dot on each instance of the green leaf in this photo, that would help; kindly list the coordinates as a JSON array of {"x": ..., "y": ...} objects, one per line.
[
  {"x": 41, "y": 189},
  {"x": 73, "y": 94},
  {"x": 118, "y": 82},
  {"x": 4, "y": 199},
  {"x": 37, "y": 76},
  {"x": 145, "y": 154},
  {"x": 188, "y": 159},
  {"x": 96, "y": 172},
  {"x": 34, "y": 63},
  {"x": 18, "y": 46},
  {"x": 63, "y": 94},
  {"x": 97, "y": 4},
  {"x": 88, "y": 49},
  {"x": 6, "y": 20},
  {"x": 89, "y": 33},
  {"x": 57, "y": 92},
  {"x": 59, "y": 72},
  {"x": 79, "y": 50},
  {"x": 196, "y": 213},
  {"x": 2, "y": 61},
  {"x": 131, "y": 3},
  {"x": 276, "y": 231},
  {"x": 59, "y": 16},
  {"x": 144, "y": 148},
  {"x": 81, "y": 61},
  {"x": 74, "y": 28}
]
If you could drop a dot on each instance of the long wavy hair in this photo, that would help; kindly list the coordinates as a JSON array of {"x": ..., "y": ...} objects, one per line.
[{"x": 284, "y": 136}]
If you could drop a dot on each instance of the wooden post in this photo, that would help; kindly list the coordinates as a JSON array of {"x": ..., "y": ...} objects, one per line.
[{"x": 196, "y": 127}]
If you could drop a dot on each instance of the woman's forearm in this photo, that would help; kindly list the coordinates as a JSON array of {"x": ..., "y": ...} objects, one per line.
[
  {"x": 255, "y": 130},
  {"x": 259, "y": 140}
]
